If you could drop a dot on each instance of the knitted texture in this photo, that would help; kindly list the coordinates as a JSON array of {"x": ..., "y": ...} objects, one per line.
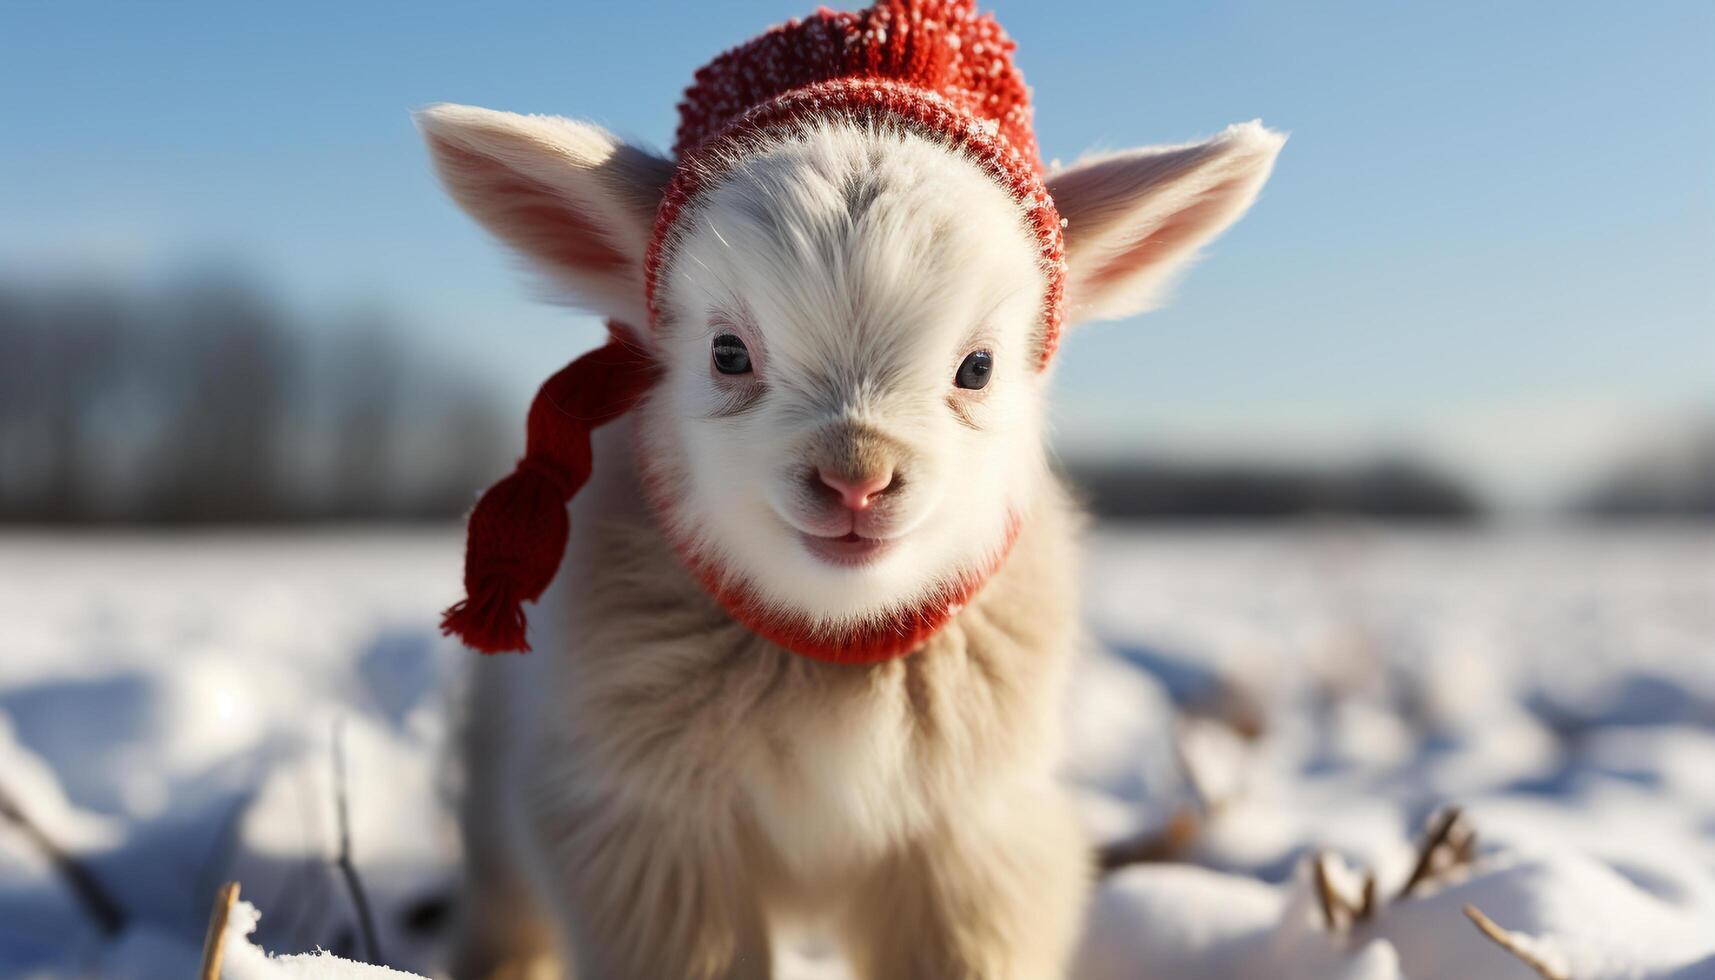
[
  {"x": 517, "y": 534},
  {"x": 884, "y": 637},
  {"x": 939, "y": 46},
  {"x": 932, "y": 67},
  {"x": 935, "y": 67}
]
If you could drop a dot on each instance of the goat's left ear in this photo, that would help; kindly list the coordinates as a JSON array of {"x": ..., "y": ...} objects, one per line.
[{"x": 1135, "y": 219}]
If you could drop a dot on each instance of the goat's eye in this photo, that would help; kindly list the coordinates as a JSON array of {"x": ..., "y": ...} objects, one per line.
[
  {"x": 974, "y": 370},
  {"x": 730, "y": 354}
]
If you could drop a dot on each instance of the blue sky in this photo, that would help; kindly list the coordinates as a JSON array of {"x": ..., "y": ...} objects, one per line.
[{"x": 1491, "y": 238}]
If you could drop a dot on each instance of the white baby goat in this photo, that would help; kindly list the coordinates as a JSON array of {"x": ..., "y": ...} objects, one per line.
[{"x": 657, "y": 788}]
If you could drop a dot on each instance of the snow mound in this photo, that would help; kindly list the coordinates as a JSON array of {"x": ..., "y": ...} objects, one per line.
[
  {"x": 244, "y": 961},
  {"x": 1257, "y": 705}
]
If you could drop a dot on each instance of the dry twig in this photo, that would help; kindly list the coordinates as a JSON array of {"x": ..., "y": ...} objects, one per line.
[
  {"x": 1511, "y": 944},
  {"x": 1341, "y": 909},
  {"x": 214, "y": 944},
  {"x": 347, "y": 868},
  {"x": 1163, "y": 845},
  {"x": 1448, "y": 844},
  {"x": 1330, "y": 901},
  {"x": 1182, "y": 830},
  {"x": 90, "y": 893}
]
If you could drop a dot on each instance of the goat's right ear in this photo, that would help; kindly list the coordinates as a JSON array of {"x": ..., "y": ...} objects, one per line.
[
  {"x": 1135, "y": 220},
  {"x": 570, "y": 197}
]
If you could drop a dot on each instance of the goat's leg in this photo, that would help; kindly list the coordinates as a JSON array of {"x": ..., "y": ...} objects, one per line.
[
  {"x": 996, "y": 893},
  {"x": 646, "y": 896}
]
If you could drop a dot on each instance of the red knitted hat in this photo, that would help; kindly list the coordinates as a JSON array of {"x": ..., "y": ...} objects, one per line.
[{"x": 933, "y": 67}]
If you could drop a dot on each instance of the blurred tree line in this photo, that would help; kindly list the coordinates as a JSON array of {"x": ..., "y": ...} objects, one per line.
[
  {"x": 1672, "y": 479},
  {"x": 1399, "y": 489},
  {"x": 206, "y": 401}
]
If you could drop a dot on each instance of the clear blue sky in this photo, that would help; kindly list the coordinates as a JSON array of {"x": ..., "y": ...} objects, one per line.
[{"x": 1491, "y": 237}]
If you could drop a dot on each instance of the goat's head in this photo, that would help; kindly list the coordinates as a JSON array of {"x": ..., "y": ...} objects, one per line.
[{"x": 849, "y": 322}]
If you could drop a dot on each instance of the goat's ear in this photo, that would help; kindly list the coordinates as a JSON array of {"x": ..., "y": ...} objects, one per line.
[
  {"x": 569, "y": 196},
  {"x": 1135, "y": 219}
]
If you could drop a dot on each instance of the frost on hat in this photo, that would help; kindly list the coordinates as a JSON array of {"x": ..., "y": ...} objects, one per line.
[
  {"x": 945, "y": 48},
  {"x": 936, "y": 68}
]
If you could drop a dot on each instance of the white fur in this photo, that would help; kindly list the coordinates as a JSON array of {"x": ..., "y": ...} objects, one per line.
[
  {"x": 670, "y": 785},
  {"x": 853, "y": 317},
  {"x": 1136, "y": 219},
  {"x": 526, "y": 178},
  {"x": 854, "y": 313}
]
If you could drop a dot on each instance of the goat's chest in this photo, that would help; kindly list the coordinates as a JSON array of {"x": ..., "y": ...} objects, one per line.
[
  {"x": 843, "y": 773},
  {"x": 666, "y": 705},
  {"x": 821, "y": 765}
]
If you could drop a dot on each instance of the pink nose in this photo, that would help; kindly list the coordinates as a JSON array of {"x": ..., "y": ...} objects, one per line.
[{"x": 857, "y": 494}]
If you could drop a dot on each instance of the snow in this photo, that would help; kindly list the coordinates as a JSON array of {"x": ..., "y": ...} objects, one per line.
[
  {"x": 169, "y": 707},
  {"x": 244, "y": 961}
]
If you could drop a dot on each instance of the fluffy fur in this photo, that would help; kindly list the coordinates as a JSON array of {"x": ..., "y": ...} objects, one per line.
[
  {"x": 658, "y": 788},
  {"x": 678, "y": 782},
  {"x": 1142, "y": 215},
  {"x": 860, "y": 267},
  {"x": 565, "y": 195}
]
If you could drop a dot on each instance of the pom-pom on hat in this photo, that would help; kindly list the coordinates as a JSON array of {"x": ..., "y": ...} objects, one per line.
[{"x": 935, "y": 68}]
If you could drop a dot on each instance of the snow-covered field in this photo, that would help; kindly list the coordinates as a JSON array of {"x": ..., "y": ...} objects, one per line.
[{"x": 169, "y": 707}]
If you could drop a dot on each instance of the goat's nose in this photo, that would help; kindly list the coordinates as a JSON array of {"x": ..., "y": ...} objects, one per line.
[{"x": 857, "y": 493}]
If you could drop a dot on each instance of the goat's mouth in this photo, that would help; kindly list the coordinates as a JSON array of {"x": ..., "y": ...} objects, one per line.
[{"x": 849, "y": 550}]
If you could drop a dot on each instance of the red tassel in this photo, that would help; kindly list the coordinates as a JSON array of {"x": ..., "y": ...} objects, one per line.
[
  {"x": 491, "y": 622},
  {"x": 517, "y": 533}
]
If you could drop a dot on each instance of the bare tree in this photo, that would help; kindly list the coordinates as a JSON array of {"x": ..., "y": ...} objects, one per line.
[{"x": 207, "y": 401}]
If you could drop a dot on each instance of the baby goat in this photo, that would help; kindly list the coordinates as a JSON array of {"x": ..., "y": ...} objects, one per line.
[{"x": 802, "y": 657}]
